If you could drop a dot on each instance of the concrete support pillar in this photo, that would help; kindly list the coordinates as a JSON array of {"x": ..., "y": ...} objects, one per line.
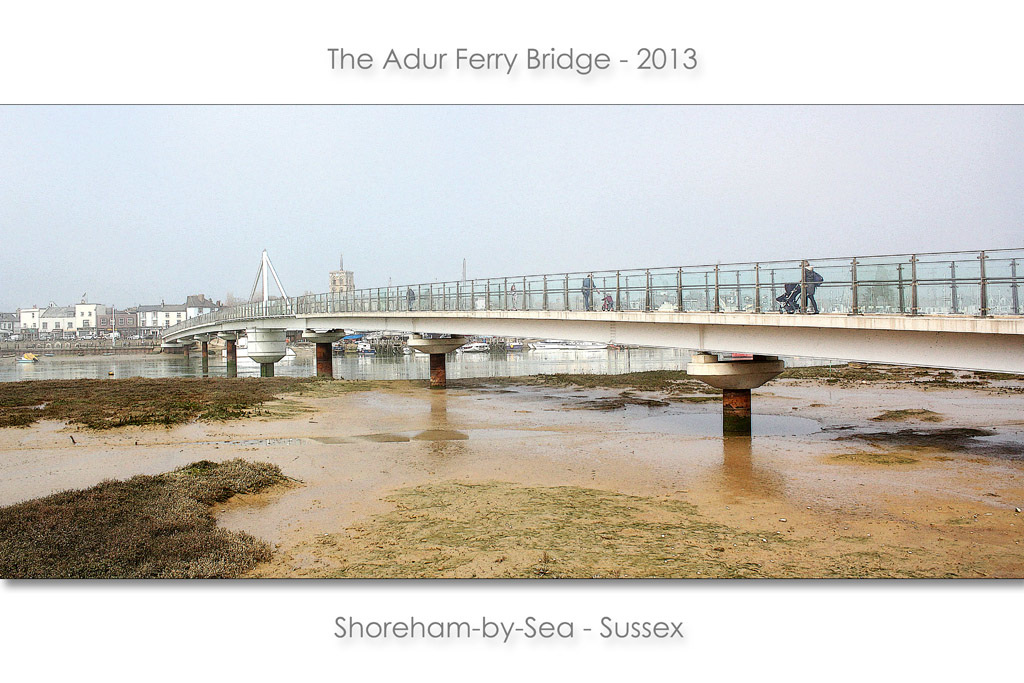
[
  {"x": 438, "y": 371},
  {"x": 324, "y": 338},
  {"x": 324, "y": 360},
  {"x": 185, "y": 348},
  {"x": 436, "y": 348},
  {"x": 205, "y": 346},
  {"x": 735, "y": 378},
  {"x": 231, "y": 357},
  {"x": 736, "y": 411},
  {"x": 266, "y": 346}
]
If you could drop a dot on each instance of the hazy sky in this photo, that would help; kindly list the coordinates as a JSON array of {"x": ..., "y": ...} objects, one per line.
[{"x": 138, "y": 204}]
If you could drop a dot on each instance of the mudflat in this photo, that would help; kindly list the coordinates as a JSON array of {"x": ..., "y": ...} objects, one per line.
[{"x": 902, "y": 475}]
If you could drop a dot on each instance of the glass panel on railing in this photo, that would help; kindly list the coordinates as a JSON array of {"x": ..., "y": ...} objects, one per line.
[{"x": 1004, "y": 297}]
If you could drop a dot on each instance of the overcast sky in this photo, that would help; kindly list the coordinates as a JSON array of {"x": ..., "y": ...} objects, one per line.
[{"x": 137, "y": 204}]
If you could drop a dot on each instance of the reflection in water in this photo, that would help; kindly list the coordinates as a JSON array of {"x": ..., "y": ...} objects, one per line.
[
  {"x": 740, "y": 476},
  {"x": 441, "y": 439},
  {"x": 352, "y": 366}
]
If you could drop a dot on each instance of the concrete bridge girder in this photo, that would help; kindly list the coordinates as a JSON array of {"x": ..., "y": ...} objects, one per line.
[{"x": 994, "y": 344}]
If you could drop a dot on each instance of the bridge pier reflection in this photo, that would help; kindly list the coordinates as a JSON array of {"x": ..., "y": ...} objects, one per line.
[
  {"x": 204, "y": 347},
  {"x": 230, "y": 353},
  {"x": 740, "y": 476}
]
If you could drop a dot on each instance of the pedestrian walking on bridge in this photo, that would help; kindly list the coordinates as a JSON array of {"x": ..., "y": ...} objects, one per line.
[{"x": 588, "y": 292}]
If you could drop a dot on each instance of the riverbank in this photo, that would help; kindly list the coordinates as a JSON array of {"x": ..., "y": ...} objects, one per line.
[{"x": 895, "y": 476}]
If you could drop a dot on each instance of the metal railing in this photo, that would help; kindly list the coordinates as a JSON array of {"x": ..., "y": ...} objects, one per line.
[{"x": 963, "y": 283}]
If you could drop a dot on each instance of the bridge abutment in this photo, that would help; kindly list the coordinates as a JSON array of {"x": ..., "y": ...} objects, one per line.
[{"x": 735, "y": 378}]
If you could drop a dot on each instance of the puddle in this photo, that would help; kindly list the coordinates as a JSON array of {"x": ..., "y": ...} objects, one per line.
[
  {"x": 959, "y": 439},
  {"x": 253, "y": 442},
  {"x": 377, "y": 438},
  {"x": 436, "y": 435},
  {"x": 710, "y": 424},
  {"x": 441, "y": 435}
]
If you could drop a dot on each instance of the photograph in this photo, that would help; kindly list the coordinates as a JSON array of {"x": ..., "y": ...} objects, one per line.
[{"x": 524, "y": 341}]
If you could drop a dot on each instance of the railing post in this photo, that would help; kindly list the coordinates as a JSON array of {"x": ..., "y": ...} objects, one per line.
[
  {"x": 803, "y": 286},
  {"x": 544, "y": 299},
  {"x": 739, "y": 292},
  {"x": 773, "y": 288},
  {"x": 679, "y": 290},
  {"x": 899, "y": 286},
  {"x": 854, "y": 304},
  {"x": 565, "y": 293},
  {"x": 504, "y": 295},
  {"x": 717, "y": 309},
  {"x": 1013, "y": 287},
  {"x": 487, "y": 304},
  {"x": 617, "y": 289},
  {"x": 913, "y": 284},
  {"x": 757, "y": 288},
  {"x": 984, "y": 286},
  {"x": 648, "y": 301},
  {"x": 952, "y": 287}
]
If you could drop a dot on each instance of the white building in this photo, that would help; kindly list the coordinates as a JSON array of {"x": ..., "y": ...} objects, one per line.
[
  {"x": 28, "y": 320},
  {"x": 57, "y": 321},
  {"x": 198, "y": 304},
  {"x": 152, "y": 319},
  {"x": 87, "y": 316}
]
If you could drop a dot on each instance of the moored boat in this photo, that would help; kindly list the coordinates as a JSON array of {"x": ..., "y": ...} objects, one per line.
[
  {"x": 474, "y": 347},
  {"x": 563, "y": 345},
  {"x": 28, "y": 358}
]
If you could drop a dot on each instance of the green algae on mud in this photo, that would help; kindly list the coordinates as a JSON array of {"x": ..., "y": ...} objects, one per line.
[
  {"x": 504, "y": 530},
  {"x": 145, "y": 527},
  {"x": 875, "y": 458},
  {"x": 920, "y": 414},
  {"x": 107, "y": 403},
  {"x": 671, "y": 381}
]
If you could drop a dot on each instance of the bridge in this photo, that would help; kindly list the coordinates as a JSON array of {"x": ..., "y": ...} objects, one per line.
[{"x": 959, "y": 310}]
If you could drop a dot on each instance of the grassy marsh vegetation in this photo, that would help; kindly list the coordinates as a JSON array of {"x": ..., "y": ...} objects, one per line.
[{"x": 145, "y": 527}]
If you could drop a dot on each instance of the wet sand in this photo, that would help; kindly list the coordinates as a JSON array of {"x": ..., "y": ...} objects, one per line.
[{"x": 527, "y": 481}]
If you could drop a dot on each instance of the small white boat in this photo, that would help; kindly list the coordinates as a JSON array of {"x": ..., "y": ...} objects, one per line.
[
  {"x": 365, "y": 348},
  {"x": 475, "y": 347},
  {"x": 28, "y": 358}
]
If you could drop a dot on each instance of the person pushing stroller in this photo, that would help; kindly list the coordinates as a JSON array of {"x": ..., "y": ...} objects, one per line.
[{"x": 790, "y": 299}]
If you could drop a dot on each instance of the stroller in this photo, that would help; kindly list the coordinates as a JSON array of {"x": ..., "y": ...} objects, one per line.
[
  {"x": 789, "y": 300},
  {"x": 607, "y": 303}
]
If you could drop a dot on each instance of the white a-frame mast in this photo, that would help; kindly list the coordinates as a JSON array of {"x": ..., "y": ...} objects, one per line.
[{"x": 264, "y": 274}]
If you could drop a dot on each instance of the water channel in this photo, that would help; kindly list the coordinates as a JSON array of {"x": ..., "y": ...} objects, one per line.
[{"x": 355, "y": 366}]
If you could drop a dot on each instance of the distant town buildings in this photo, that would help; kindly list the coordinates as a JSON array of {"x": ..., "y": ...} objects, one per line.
[
  {"x": 342, "y": 280},
  {"x": 86, "y": 320},
  {"x": 198, "y": 304},
  {"x": 8, "y": 324}
]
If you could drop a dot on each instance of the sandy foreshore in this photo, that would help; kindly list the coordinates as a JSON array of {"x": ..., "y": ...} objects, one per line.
[{"x": 532, "y": 481}]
